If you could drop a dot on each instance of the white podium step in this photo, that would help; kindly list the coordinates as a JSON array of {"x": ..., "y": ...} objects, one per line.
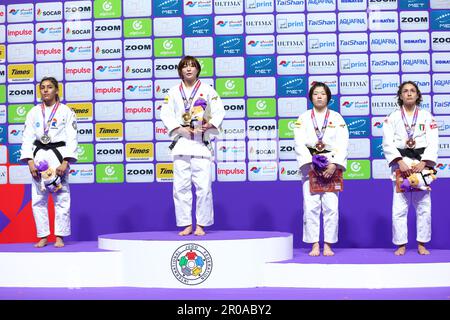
[{"x": 220, "y": 259}]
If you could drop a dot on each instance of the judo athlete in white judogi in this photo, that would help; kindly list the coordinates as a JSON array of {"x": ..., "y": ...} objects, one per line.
[
  {"x": 329, "y": 137},
  {"x": 410, "y": 134},
  {"x": 192, "y": 112},
  {"x": 50, "y": 134}
]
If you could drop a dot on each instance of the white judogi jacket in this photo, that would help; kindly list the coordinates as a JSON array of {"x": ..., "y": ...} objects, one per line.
[
  {"x": 173, "y": 109},
  {"x": 63, "y": 127},
  {"x": 425, "y": 135},
  {"x": 335, "y": 138}
]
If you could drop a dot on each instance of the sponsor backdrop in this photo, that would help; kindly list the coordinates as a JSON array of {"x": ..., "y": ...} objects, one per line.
[{"x": 116, "y": 60}]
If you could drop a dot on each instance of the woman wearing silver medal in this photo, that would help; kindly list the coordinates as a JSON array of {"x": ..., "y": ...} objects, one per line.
[
  {"x": 321, "y": 143},
  {"x": 192, "y": 112},
  {"x": 50, "y": 137},
  {"x": 410, "y": 143}
]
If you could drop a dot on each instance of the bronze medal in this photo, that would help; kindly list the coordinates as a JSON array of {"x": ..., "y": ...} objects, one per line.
[
  {"x": 411, "y": 143},
  {"x": 320, "y": 146},
  {"x": 187, "y": 117}
]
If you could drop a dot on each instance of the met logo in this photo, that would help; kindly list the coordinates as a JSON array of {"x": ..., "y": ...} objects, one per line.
[
  {"x": 358, "y": 126},
  {"x": 164, "y": 8},
  {"x": 261, "y": 65},
  {"x": 289, "y": 86}
]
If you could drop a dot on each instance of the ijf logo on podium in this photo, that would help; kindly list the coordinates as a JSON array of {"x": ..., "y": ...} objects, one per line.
[{"x": 191, "y": 264}]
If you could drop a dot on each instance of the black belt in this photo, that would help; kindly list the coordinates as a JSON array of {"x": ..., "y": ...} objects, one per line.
[
  {"x": 412, "y": 153},
  {"x": 49, "y": 146},
  {"x": 314, "y": 151}
]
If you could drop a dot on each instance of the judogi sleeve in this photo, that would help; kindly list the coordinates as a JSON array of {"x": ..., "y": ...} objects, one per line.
[
  {"x": 303, "y": 154},
  {"x": 28, "y": 137},
  {"x": 342, "y": 140},
  {"x": 217, "y": 110},
  {"x": 390, "y": 151},
  {"x": 168, "y": 116},
  {"x": 70, "y": 152},
  {"x": 432, "y": 133}
]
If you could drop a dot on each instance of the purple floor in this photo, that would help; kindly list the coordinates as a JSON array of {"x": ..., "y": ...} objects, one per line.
[
  {"x": 127, "y": 293},
  {"x": 210, "y": 235}
]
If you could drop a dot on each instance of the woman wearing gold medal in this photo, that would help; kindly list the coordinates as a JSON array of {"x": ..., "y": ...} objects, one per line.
[
  {"x": 192, "y": 113},
  {"x": 50, "y": 141},
  {"x": 410, "y": 143},
  {"x": 321, "y": 143}
]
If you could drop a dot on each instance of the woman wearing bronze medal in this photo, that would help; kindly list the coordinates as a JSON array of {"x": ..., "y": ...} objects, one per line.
[
  {"x": 321, "y": 143},
  {"x": 410, "y": 144},
  {"x": 192, "y": 112},
  {"x": 49, "y": 145}
]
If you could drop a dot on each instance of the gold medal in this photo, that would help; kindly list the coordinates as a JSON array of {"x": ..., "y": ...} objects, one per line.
[
  {"x": 411, "y": 143},
  {"x": 320, "y": 146}
]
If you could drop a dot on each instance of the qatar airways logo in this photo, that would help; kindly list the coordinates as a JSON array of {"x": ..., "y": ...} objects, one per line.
[
  {"x": 228, "y": 25},
  {"x": 138, "y": 89},
  {"x": 196, "y": 7},
  {"x": 20, "y": 12}
]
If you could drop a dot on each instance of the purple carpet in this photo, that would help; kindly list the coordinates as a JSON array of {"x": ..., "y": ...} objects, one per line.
[
  {"x": 210, "y": 235},
  {"x": 370, "y": 256},
  {"x": 127, "y": 293},
  {"x": 81, "y": 246}
]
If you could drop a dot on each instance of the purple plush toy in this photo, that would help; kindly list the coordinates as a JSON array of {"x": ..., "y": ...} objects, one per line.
[{"x": 319, "y": 162}]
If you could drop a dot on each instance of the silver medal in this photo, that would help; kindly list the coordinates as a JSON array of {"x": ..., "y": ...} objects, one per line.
[{"x": 45, "y": 139}]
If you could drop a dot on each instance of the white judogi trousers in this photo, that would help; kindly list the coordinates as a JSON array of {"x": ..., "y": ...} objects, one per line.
[
  {"x": 313, "y": 204},
  {"x": 188, "y": 170},
  {"x": 39, "y": 201},
  {"x": 421, "y": 201}
]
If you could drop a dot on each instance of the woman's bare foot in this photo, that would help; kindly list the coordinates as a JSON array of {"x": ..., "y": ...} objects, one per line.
[
  {"x": 59, "y": 243},
  {"x": 421, "y": 249},
  {"x": 186, "y": 231},
  {"x": 401, "y": 250},
  {"x": 41, "y": 243},
  {"x": 199, "y": 231},
  {"x": 327, "y": 250},
  {"x": 315, "y": 251}
]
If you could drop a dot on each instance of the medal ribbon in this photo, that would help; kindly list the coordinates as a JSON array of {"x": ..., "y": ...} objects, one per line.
[
  {"x": 188, "y": 103},
  {"x": 320, "y": 133},
  {"x": 410, "y": 129},
  {"x": 52, "y": 114}
]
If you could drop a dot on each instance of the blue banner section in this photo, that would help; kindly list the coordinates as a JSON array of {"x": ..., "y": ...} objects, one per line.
[
  {"x": 440, "y": 20},
  {"x": 3, "y": 134},
  {"x": 14, "y": 153},
  {"x": 260, "y": 66},
  {"x": 198, "y": 26},
  {"x": 229, "y": 45},
  {"x": 377, "y": 148},
  {"x": 413, "y": 4},
  {"x": 164, "y": 8},
  {"x": 358, "y": 126},
  {"x": 292, "y": 86}
]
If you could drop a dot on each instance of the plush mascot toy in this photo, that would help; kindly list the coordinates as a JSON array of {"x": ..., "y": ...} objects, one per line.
[
  {"x": 49, "y": 180},
  {"x": 419, "y": 181}
]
